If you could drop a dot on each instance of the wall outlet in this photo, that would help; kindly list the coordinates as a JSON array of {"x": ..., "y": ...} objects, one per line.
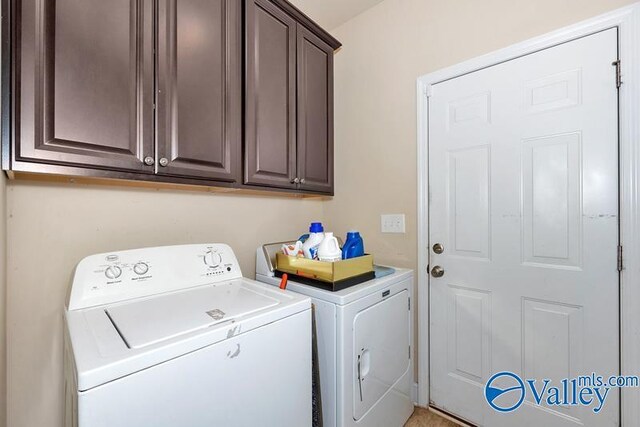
[{"x": 392, "y": 223}]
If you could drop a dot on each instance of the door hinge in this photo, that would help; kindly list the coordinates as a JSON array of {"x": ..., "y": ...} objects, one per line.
[
  {"x": 618, "y": 73},
  {"x": 409, "y": 299},
  {"x": 409, "y": 352},
  {"x": 620, "y": 264}
]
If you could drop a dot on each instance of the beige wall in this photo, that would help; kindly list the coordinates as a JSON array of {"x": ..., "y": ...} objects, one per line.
[
  {"x": 384, "y": 50},
  {"x": 52, "y": 226}
]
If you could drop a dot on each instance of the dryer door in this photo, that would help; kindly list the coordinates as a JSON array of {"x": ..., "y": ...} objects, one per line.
[{"x": 381, "y": 350}]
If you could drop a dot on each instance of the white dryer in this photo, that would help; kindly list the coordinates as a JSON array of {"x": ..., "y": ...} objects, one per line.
[
  {"x": 175, "y": 336},
  {"x": 365, "y": 346}
]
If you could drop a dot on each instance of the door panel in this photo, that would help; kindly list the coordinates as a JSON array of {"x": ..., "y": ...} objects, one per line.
[
  {"x": 199, "y": 88},
  {"x": 270, "y": 106},
  {"x": 469, "y": 201},
  {"x": 469, "y": 329},
  {"x": 84, "y": 83},
  {"x": 539, "y": 317},
  {"x": 523, "y": 184},
  {"x": 551, "y": 171},
  {"x": 315, "y": 112}
]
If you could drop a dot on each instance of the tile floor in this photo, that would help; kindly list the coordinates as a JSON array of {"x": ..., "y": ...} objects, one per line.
[{"x": 424, "y": 418}]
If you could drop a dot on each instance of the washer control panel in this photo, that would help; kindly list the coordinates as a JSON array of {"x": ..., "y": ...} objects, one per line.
[{"x": 119, "y": 276}]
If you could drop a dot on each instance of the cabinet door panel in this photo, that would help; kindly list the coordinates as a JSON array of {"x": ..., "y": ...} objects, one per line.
[
  {"x": 84, "y": 83},
  {"x": 270, "y": 96},
  {"x": 199, "y": 88},
  {"x": 315, "y": 112}
]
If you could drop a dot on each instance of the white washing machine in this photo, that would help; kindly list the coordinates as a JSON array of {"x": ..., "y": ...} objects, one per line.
[
  {"x": 365, "y": 339},
  {"x": 175, "y": 336}
]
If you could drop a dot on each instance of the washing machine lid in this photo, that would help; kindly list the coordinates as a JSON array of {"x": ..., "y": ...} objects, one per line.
[
  {"x": 150, "y": 321},
  {"x": 114, "y": 341}
]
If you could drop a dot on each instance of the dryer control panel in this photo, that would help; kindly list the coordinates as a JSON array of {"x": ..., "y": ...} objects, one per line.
[{"x": 119, "y": 276}]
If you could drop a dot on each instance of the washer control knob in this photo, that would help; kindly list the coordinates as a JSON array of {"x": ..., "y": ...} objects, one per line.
[
  {"x": 212, "y": 259},
  {"x": 141, "y": 268},
  {"x": 113, "y": 272}
]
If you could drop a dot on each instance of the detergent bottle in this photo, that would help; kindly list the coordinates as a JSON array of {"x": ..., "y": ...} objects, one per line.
[
  {"x": 353, "y": 246},
  {"x": 329, "y": 249},
  {"x": 316, "y": 235}
]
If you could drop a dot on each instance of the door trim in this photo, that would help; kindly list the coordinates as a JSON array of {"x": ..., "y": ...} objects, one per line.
[{"x": 627, "y": 20}]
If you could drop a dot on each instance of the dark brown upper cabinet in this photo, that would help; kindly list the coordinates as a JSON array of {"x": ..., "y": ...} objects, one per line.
[
  {"x": 231, "y": 93},
  {"x": 200, "y": 89},
  {"x": 288, "y": 100},
  {"x": 83, "y": 88},
  {"x": 315, "y": 112},
  {"x": 270, "y": 113}
]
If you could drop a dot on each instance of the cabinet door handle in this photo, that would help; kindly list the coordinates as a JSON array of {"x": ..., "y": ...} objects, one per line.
[
  {"x": 149, "y": 161},
  {"x": 302, "y": 181},
  {"x": 295, "y": 180},
  {"x": 164, "y": 162}
]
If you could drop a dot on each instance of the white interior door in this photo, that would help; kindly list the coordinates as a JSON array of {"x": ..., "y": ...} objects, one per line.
[{"x": 523, "y": 189}]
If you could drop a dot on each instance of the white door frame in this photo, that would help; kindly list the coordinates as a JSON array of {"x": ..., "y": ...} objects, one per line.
[{"x": 627, "y": 20}]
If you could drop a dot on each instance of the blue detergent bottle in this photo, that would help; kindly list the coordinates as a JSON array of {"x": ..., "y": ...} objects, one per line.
[{"x": 354, "y": 245}]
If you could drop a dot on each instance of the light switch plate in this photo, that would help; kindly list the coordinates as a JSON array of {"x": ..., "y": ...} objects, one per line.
[{"x": 392, "y": 223}]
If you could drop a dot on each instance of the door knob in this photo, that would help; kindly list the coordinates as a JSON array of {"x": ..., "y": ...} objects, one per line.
[
  {"x": 438, "y": 248},
  {"x": 164, "y": 162},
  {"x": 437, "y": 271},
  {"x": 295, "y": 181},
  {"x": 148, "y": 161}
]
